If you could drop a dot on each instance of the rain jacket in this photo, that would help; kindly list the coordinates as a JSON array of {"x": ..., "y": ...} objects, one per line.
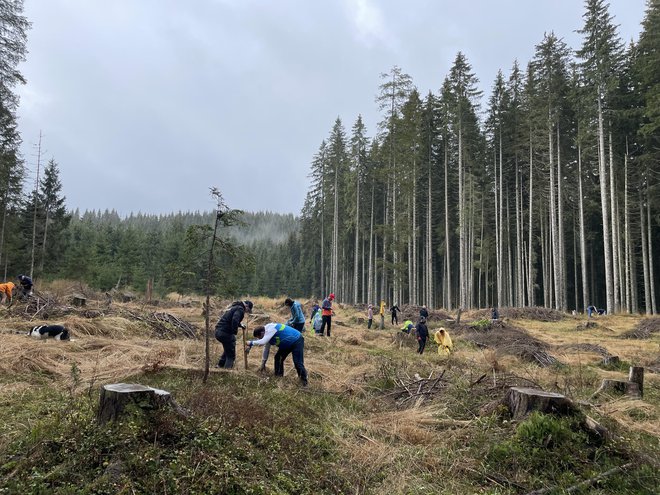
[
  {"x": 445, "y": 345},
  {"x": 230, "y": 322},
  {"x": 407, "y": 326},
  {"x": 7, "y": 289},
  {"x": 382, "y": 308},
  {"x": 297, "y": 315},
  {"x": 327, "y": 307}
]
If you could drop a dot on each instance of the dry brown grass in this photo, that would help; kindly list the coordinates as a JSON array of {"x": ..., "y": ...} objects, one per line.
[{"x": 113, "y": 348}]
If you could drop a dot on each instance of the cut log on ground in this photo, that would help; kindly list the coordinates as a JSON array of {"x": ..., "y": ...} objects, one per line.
[
  {"x": 521, "y": 401},
  {"x": 116, "y": 397},
  {"x": 618, "y": 387}
]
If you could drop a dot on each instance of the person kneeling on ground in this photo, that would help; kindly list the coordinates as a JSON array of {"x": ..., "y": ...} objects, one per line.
[
  {"x": 445, "y": 345},
  {"x": 288, "y": 341},
  {"x": 422, "y": 334},
  {"x": 297, "y": 319},
  {"x": 407, "y": 326}
]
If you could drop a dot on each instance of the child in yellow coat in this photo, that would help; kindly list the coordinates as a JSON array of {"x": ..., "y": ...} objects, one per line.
[{"x": 445, "y": 345}]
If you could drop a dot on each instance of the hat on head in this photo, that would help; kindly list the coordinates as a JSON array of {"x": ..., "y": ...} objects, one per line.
[
  {"x": 331, "y": 296},
  {"x": 248, "y": 305},
  {"x": 288, "y": 301}
]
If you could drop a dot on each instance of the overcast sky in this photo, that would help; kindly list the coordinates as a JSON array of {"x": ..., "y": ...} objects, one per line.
[{"x": 145, "y": 104}]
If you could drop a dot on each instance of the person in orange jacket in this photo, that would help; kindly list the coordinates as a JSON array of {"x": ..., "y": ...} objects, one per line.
[{"x": 6, "y": 290}]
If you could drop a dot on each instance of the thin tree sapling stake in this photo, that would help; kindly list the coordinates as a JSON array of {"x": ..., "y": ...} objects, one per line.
[{"x": 245, "y": 347}]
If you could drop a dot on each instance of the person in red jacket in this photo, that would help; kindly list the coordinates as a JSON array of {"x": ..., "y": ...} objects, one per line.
[{"x": 326, "y": 313}]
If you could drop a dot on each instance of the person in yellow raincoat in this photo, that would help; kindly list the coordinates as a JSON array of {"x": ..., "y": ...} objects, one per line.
[
  {"x": 6, "y": 291},
  {"x": 382, "y": 314},
  {"x": 445, "y": 345}
]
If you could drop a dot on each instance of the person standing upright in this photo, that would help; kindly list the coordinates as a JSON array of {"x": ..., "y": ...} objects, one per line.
[
  {"x": 370, "y": 315},
  {"x": 297, "y": 319},
  {"x": 326, "y": 313},
  {"x": 424, "y": 313},
  {"x": 226, "y": 330},
  {"x": 422, "y": 334},
  {"x": 393, "y": 310}
]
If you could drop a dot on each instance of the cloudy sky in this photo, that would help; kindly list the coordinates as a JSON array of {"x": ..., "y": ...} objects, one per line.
[{"x": 145, "y": 104}]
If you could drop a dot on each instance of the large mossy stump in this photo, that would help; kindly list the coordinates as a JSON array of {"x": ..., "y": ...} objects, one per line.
[
  {"x": 115, "y": 397},
  {"x": 521, "y": 401}
]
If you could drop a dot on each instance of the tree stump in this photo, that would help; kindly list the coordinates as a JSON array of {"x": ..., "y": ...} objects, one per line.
[
  {"x": 618, "y": 387},
  {"x": 636, "y": 375},
  {"x": 610, "y": 360},
  {"x": 116, "y": 396},
  {"x": 78, "y": 300},
  {"x": 521, "y": 401}
]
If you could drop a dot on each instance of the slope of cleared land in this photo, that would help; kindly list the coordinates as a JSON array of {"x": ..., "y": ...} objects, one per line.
[{"x": 376, "y": 418}]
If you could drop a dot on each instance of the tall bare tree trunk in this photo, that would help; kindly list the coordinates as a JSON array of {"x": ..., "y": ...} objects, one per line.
[
  {"x": 583, "y": 243},
  {"x": 645, "y": 257},
  {"x": 429, "y": 246},
  {"x": 462, "y": 241},
  {"x": 448, "y": 297},
  {"x": 654, "y": 308},
  {"x": 626, "y": 228},
  {"x": 554, "y": 236},
  {"x": 561, "y": 261},
  {"x": 530, "y": 257},
  {"x": 604, "y": 201},
  {"x": 371, "y": 276},
  {"x": 36, "y": 204},
  {"x": 357, "y": 236},
  {"x": 615, "y": 234}
]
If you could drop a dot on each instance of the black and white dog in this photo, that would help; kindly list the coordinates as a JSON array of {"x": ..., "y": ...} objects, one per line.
[{"x": 58, "y": 332}]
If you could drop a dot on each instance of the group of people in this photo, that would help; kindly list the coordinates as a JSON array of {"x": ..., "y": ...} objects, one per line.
[
  {"x": 8, "y": 289},
  {"x": 287, "y": 337}
]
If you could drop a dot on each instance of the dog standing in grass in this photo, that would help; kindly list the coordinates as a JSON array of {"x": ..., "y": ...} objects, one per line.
[{"x": 57, "y": 332}]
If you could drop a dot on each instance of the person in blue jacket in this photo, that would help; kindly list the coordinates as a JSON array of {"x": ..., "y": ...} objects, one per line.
[
  {"x": 288, "y": 341},
  {"x": 226, "y": 330},
  {"x": 297, "y": 319}
]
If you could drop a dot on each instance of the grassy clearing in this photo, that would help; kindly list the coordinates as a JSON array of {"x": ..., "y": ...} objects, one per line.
[{"x": 252, "y": 433}]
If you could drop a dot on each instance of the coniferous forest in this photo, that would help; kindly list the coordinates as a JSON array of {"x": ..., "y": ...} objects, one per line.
[{"x": 542, "y": 192}]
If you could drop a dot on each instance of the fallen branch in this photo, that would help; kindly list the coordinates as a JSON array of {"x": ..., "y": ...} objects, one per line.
[{"x": 585, "y": 483}]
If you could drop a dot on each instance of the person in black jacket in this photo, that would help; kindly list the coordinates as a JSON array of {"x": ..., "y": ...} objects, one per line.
[
  {"x": 422, "y": 334},
  {"x": 424, "y": 313},
  {"x": 226, "y": 330},
  {"x": 395, "y": 317}
]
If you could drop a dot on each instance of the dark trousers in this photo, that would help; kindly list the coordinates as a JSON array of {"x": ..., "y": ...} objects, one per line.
[
  {"x": 298, "y": 351},
  {"x": 371, "y": 320},
  {"x": 299, "y": 326},
  {"x": 395, "y": 319},
  {"x": 326, "y": 320},
  {"x": 422, "y": 345},
  {"x": 228, "y": 342}
]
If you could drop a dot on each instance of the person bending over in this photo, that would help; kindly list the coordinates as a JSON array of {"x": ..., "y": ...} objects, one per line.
[{"x": 288, "y": 341}]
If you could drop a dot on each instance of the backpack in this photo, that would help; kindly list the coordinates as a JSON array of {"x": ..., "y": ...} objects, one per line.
[{"x": 317, "y": 321}]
